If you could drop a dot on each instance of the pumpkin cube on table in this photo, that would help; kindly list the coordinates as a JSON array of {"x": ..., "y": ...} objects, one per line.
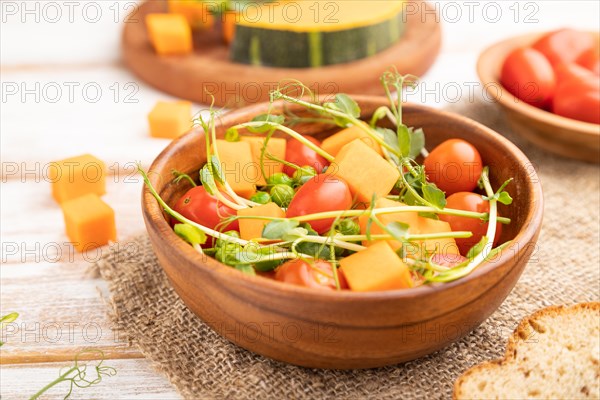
[
  {"x": 76, "y": 176},
  {"x": 89, "y": 221},
  {"x": 170, "y": 120}
]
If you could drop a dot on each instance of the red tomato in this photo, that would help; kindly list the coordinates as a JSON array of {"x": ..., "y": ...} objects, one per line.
[
  {"x": 566, "y": 72},
  {"x": 469, "y": 202},
  {"x": 199, "y": 206},
  {"x": 579, "y": 99},
  {"x": 454, "y": 166},
  {"x": 320, "y": 194},
  {"x": 301, "y": 155},
  {"x": 564, "y": 45},
  {"x": 590, "y": 59},
  {"x": 528, "y": 75},
  {"x": 317, "y": 274}
]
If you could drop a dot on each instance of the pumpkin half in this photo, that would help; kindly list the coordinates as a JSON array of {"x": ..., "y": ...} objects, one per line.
[{"x": 303, "y": 34}]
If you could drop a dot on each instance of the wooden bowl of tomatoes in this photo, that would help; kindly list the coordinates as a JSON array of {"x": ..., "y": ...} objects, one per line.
[
  {"x": 295, "y": 320},
  {"x": 549, "y": 86}
]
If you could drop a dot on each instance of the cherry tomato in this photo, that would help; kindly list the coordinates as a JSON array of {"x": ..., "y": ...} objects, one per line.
[
  {"x": 566, "y": 72},
  {"x": 529, "y": 76},
  {"x": 201, "y": 207},
  {"x": 579, "y": 99},
  {"x": 590, "y": 60},
  {"x": 469, "y": 202},
  {"x": 301, "y": 155},
  {"x": 454, "y": 166},
  {"x": 564, "y": 45},
  {"x": 320, "y": 194},
  {"x": 317, "y": 274}
]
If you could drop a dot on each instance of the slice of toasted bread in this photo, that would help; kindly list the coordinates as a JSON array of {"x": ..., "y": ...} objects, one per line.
[{"x": 553, "y": 354}]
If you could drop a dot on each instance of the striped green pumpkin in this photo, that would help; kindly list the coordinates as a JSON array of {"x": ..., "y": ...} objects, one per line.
[{"x": 316, "y": 45}]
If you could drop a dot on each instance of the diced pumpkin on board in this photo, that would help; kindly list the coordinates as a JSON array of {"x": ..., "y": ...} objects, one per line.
[
  {"x": 365, "y": 171},
  {"x": 89, "y": 222},
  {"x": 196, "y": 12},
  {"x": 77, "y": 176},
  {"x": 170, "y": 34},
  {"x": 253, "y": 228},
  {"x": 275, "y": 146},
  {"x": 334, "y": 143},
  {"x": 170, "y": 119},
  {"x": 237, "y": 164},
  {"x": 376, "y": 268}
]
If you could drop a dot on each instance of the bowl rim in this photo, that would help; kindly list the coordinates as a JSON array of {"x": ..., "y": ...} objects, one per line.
[
  {"x": 507, "y": 99},
  {"x": 153, "y": 214}
]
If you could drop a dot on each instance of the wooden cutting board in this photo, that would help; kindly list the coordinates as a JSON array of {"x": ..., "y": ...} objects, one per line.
[{"x": 209, "y": 69}]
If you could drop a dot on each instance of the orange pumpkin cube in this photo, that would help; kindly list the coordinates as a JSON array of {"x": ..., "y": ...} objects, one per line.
[
  {"x": 446, "y": 247},
  {"x": 196, "y": 12},
  {"x": 275, "y": 146},
  {"x": 89, "y": 222},
  {"x": 365, "y": 171},
  {"x": 240, "y": 171},
  {"x": 170, "y": 120},
  {"x": 417, "y": 225},
  {"x": 76, "y": 176},
  {"x": 410, "y": 218},
  {"x": 252, "y": 228},
  {"x": 376, "y": 268},
  {"x": 170, "y": 34},
  {"x": 334, "y": 143}
]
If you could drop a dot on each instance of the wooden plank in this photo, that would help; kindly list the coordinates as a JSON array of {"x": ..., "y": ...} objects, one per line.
[
  {"x": 135, "y": 379},
  {"x": 47, "y": 356},
  {"x": 32, "y": 226},
  {"x": 99, "y": 110},
  {"x": 60, "y": 311}
]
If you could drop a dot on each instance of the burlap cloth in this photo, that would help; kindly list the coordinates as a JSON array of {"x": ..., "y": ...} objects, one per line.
[{"x": 565, "y": 269}]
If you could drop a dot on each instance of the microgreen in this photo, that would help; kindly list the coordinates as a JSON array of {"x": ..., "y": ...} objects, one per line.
[
  {"x": 277, "y": 229},
  {"x": 208, "y": 181},
  {"x": 398, "y": 230},
  {"x": 501, "y": 195},
  {"x": 232, "y": 135},
  {"x": 7, "y": 319},
  {"x": 433, "y": 195},
  {"x": 269, "y": 120},
  {"x": 78, "y": 376},
  {"x": 191, "y": 234},
  {"x": 347, "y": 109},
  {"x": 179, "y": 176}
]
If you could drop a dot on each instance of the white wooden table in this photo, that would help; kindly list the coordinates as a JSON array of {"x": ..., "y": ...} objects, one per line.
[{"x": 65, "y": 93}]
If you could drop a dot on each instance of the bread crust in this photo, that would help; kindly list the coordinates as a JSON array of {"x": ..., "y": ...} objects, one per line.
[{"x": 522, "y": 333}]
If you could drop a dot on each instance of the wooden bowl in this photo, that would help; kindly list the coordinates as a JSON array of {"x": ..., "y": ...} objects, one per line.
[
  {"x": 563, "y": 136},
  {"x": 346, "y": 330},
  {"x": 209, "y": 70}
]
